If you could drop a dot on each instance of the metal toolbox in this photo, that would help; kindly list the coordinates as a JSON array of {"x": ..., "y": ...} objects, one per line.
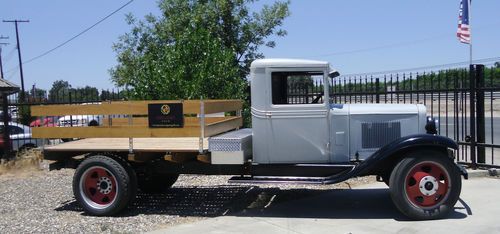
[{"x": 231, "y": 148}]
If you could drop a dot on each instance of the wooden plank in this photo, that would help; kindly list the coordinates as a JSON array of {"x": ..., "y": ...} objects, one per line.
[
  {"x": 143, "y": 121},
  {"x": 133, "y": 107},
  {"x": 178, "y": 144},
  {"x": 223, "y": 126},
  {"x": 216, "y": 106},
  {"x": 113, "y": 131},
  {"x": 179, "y": 157},
  {"x": 205, "y": 158},
  {"x": 113, "y": 108}
]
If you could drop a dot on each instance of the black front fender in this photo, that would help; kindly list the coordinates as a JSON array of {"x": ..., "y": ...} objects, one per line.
[
  {"x": 379, "y": 161},
  {"x": 384, "y": 159}
]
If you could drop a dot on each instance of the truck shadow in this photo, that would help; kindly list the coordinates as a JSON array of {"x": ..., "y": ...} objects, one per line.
[{"x": 257, "y": 201}]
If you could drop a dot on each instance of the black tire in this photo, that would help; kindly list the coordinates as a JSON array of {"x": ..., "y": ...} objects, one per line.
[
  {"x": 103, "y": 186},
  {"x": 131, "y": 172},
  {"x": 66, "y": 139},
  {"x": 157, "y": 183},
  {"x": 425, "y": 185},
  {"x": 93, "y": 123}
]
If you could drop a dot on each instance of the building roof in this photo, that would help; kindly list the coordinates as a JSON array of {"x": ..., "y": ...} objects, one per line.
[
  {"x": 8, "y": 87},
  {"x": 276, "y": 62}
]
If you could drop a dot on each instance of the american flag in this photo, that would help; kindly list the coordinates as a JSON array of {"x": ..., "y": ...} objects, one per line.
[{"x": 463, "y": 31}]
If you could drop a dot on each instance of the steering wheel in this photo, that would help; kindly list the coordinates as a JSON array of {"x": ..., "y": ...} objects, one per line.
[{"x": 316, "y": 100}]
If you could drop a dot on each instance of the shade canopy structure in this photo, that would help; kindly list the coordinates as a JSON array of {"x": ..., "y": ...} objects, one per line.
[{"x": 7, "y": 87}]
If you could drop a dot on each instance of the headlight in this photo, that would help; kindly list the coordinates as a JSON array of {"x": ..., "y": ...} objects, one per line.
[{"x": 431, "y": 126}]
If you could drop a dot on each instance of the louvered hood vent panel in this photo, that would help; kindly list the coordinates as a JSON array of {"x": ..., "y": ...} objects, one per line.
[{"x": 378, "y": 134}]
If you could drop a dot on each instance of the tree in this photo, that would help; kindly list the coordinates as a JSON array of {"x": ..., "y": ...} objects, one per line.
[
  {"x": 59, "y": 92},
  {"x": 85, "y": 94},
  {"x": 195, "y": 48},
  {"x": 497, "y": 64}
]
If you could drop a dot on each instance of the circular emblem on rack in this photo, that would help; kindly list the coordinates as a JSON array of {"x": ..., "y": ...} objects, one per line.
[{"x": 165, "y": 109}]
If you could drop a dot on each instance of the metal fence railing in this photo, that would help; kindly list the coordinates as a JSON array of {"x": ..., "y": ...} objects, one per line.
[
  {"x": 447, "y": 94},
  {"x": 465, "y": 103},
  {"x": 16, "y": 135}
]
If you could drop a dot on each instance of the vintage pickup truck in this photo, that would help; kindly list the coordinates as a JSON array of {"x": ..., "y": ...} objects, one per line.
[{"x": 292, "y": 140}]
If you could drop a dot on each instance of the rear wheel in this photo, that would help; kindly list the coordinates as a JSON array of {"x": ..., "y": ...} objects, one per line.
[
  {"x": 103, "y": 186},
  {"x": 425, "y": 185},
  {"x": 156, "y": 183}
]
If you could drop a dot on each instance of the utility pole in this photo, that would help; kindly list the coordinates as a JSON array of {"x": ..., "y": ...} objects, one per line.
[
  {"x": 19, "y": 53},
  {"x": 1, "y": 64}
]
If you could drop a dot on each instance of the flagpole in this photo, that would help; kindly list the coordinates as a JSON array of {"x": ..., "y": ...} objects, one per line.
[{"x": 470, "y": 31}]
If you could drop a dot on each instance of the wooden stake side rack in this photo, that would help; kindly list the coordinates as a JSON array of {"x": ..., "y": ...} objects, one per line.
[{"x": 133, "y": 123}]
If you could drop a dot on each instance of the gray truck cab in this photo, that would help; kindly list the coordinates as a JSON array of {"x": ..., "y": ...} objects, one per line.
[{"x": 292, "y": 128}]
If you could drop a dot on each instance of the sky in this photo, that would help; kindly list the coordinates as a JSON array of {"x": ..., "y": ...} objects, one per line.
[{"x": 355, "y": 36}]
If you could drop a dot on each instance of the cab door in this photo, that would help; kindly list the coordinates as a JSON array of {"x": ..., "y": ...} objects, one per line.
[{"x": 298, "y": 117}]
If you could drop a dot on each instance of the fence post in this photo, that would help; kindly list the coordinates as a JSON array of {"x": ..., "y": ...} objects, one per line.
[
  {"x": 70, "y": 102},
  {"x": 472, "y": 113},
  {"x": 6, "y": 133},
  {"x": 377, "y": 90},
  {"x": 479, "y": 77}
]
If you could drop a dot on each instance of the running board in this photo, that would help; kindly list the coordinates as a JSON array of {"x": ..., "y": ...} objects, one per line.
[
  {"x": 296, "y": 174},
  {"x": 275, "y": 180}
]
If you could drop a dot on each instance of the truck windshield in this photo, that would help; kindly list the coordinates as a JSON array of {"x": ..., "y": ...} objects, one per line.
[{"x": 297, "y": 87}]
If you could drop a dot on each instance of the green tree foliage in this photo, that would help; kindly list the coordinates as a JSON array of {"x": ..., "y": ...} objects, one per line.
[
  {"x": 37, "y": 94},
  {"x": 195, "y": 49},
  {"x": 86, "y": 93},
  {"x": 61, "y": 91}
]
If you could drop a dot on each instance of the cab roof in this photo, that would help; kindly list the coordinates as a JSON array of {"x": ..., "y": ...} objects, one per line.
[{"x": 279, "y": 62}]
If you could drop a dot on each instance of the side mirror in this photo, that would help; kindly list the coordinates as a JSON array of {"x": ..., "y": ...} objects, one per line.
[{"x": 333, "y": 74}]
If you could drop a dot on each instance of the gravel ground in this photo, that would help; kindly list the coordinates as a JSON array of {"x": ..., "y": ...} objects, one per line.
[{"x": 42, "y": 202}]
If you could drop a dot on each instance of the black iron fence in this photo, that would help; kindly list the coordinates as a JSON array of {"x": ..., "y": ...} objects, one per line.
[
  {"x": 16, "y": 124},
  {"x": 465, "y": 103}
]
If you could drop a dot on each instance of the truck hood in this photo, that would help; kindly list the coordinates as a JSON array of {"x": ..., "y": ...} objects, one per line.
[{"x": 355, "y": 109}]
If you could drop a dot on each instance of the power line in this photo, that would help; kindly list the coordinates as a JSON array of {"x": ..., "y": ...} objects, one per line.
[
  {"x": 398, "y": 44},
  {"x": 77, "y": 35},
  {"x": 11, "y": 73},
  {"x": 1, "y": 45},
  {"x": 406, "y": 43},
  {"x": 10, "y": 55},
  {"x": 448, "y": 65}
]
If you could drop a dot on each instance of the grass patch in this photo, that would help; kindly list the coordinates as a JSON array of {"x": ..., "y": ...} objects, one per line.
[{"x": 24, "y": 161}]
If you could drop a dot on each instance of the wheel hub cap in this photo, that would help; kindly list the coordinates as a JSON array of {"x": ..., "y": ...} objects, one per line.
[
  {"x": 104, "y": 185},
  {"x": 98, "y": 187},
  {"x": 427, "y": 184}
]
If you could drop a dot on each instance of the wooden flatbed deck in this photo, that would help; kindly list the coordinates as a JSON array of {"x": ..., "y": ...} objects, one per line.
[{"x": 177, "y": 144}]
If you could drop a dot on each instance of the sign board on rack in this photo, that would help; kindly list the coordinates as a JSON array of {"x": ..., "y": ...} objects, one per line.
[{"x": 167, "y": 115}]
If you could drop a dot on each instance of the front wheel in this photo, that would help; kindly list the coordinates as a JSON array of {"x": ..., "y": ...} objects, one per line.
[
  {"x": 425, "y": 185},
  {"x": 103, "y": 186}
]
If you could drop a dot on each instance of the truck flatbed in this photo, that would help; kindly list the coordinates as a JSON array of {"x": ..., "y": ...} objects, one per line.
[{"x": 177, "y": 144}]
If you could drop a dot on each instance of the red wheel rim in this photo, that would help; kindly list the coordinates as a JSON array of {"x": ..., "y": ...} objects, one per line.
[
  {"x": 427, "y": 184},
  {"x": 98, "y": 187}
]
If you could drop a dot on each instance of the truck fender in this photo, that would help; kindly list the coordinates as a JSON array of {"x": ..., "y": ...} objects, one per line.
[{"x": 390, "y": 154}]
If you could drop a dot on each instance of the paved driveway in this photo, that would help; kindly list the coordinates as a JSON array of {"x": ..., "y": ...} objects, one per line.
[{"x": 366, "y": 209}]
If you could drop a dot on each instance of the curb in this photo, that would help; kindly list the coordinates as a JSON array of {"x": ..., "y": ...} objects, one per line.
[{"x": 479, "y": 173}]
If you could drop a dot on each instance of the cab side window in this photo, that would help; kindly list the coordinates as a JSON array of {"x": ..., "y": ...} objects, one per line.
[{"x": 297, "y": 88}]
